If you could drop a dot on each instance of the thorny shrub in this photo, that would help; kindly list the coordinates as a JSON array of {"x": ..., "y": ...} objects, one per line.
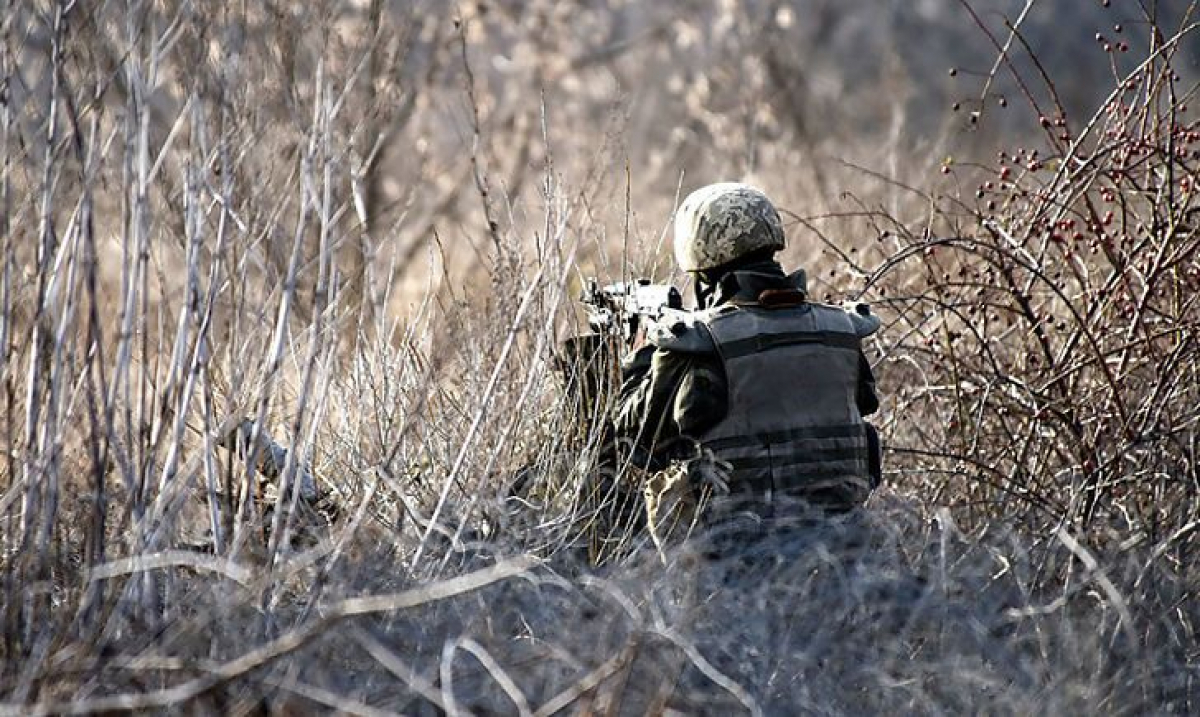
[{"x": 1051, "y": 332}]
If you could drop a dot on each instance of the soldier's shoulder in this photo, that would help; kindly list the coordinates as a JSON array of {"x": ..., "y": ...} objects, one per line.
[
  {"x": 857, "y": 317},
  {"x": 685, "y": 332}
]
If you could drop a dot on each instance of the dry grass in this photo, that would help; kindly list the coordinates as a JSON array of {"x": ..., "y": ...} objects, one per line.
[{"x": 362, "y": 226}]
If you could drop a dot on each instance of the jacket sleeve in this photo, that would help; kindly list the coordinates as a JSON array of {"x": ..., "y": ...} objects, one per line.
[
  {"x": 667, "y": 396},
  {"x": 703, "y": 396}
]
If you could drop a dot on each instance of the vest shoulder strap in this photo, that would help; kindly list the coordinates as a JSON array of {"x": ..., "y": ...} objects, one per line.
[{"x": 745, "y": 330}]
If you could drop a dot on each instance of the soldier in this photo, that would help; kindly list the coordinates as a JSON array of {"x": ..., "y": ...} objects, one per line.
[{"x": 761, "y": 393}]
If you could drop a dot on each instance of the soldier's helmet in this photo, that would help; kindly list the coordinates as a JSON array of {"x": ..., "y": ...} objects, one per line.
[{"x": 721, "y": 222}]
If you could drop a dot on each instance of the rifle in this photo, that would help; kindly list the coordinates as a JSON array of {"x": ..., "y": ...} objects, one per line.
[
  {"x": 624, "y": 308},
  {"x": 590, "y": 363}
]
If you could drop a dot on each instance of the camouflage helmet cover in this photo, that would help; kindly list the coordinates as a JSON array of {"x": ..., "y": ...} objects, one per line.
[{"x": 721, "y": 222}]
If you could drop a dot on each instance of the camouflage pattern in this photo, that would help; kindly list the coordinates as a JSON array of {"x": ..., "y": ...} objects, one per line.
[
  {"x": 672, "y": 506},
  {"x": 721, "y": 222},
  {"x": 688, "y": 494}
]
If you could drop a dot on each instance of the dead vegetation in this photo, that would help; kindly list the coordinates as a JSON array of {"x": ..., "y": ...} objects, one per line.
[{"x": 361, "y": 226}]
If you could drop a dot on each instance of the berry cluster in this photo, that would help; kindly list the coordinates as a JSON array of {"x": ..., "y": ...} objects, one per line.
[{"x": 1056, "y": 320}]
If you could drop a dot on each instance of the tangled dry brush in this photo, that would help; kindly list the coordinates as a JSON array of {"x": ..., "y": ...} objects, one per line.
[{"x": 358, "y": 227}]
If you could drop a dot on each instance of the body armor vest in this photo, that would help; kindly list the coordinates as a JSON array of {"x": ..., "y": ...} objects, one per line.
[{"x": 793, "y": 424}]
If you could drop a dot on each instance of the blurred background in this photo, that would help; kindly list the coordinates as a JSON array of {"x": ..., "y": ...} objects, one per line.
[{"x": 829, "y": 105}]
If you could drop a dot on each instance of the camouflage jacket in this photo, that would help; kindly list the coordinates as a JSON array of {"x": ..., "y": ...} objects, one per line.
[{"x": 676, "y": 389}]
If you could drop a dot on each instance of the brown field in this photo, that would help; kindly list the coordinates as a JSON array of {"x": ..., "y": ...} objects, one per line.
[{"x": 362, "y": 225}]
